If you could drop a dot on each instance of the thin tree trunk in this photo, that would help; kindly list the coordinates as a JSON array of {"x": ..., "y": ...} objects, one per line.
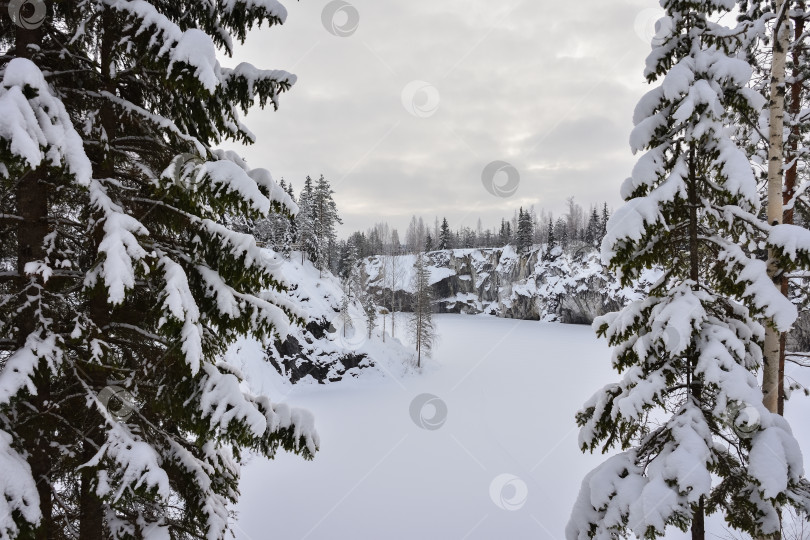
[
  {"x": 791, "y": 175},
  {"x": 692, "y": 388},
  {"x": 393, "y": 293},
  {"x": 776, "y": 108},
  {"x": 699, "y": 522},
  {"x": 32, "y": 207}
]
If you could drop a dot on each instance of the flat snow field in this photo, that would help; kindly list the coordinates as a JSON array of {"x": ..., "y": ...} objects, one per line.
[{"x": 504, "y": 464}]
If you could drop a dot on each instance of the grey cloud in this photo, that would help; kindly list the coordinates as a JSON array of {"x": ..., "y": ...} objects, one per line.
[{"x": 548, "y": 88}]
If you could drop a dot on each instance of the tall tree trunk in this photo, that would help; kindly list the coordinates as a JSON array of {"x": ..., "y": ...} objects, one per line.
[
  {"x": 699, "y": 522},
  {"x": 776, "y": 109},
  {"x": 791, "y": 175},
  {"x": 773, "y": 366},
  {"x": 32, "y": 207},
  {"x": 91, "y": 526},
  {"x": 693, "y": 388}
]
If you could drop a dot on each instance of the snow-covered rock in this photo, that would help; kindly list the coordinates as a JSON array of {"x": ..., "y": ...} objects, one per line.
[
  {"x": 327, "y": 346},
  {"x": 569, "y": 287}
]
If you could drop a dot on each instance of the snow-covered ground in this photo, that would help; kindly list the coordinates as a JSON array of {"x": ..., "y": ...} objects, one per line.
[{"x": 511, "y": 389}]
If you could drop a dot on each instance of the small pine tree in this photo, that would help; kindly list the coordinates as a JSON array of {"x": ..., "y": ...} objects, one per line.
[
  {"x": 592, "y": 231},
  {"x": 445, "y": 236},
  {"x": 305, "y": 223},
  {"x": 421, "y": 322},
  {"x": 603, "y": 222},
  {"x": 561, "y": 232},
  {"x": 370, "y": 311},
  {"x": 525, "y": 233},
  {"x": 351, "y": 272},
  {"x": 551, "y": 242},
  {"x": 346, "y": 321},
  {"x": 325, "y": 215}
]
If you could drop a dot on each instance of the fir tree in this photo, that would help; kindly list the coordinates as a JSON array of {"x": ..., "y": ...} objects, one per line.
[
  {"x": 305, "y": 223},
  {"x": 551, "y": 242},
  {"x": 689, "y": 350},
  {"x": 325, "y": 217},
  {"x": 445, "y": 236},
  {"x": 421, "y": 322},
  {"x": 128, "y": 280},
  {"x": 592, "y": 231},
  {"x": 367, "y": 301},
  {"x": 561, "y": 232},
  {"x": 525, "y": 234},
  {"x": 350, "y": 272},
  {"x": 603, "y": 223}
]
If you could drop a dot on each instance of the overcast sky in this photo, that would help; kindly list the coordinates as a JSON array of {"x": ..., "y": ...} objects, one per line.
[{"x": 405, "y": 110}]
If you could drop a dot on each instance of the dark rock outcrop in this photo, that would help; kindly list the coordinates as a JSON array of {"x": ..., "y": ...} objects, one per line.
[{"x": 571, "y": 287}]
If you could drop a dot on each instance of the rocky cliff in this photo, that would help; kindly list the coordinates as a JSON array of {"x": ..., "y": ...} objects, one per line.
[
  {"x": 569, "y": 287},
  {"x": 329, "y": 346}
]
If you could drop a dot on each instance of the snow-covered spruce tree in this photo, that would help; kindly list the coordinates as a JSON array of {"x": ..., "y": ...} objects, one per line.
[
  {"x": 445, "y": 236},
  {"x": 275, "y": 231},
  {"x": 603, "y": 223},
  {"x": 121, "y": 277},
  {"x": 525, "y": 232},
  {"x": 420, "y": 324},
  {"x": 551, "y": 242},
  {"x": 305, "y": 223},
  {"x": 428, "y": 247},
  {"x": 592, "y": 230},
  {"x": 561, "y": 232},
  {"x": 325, "y": 218},
  {"x": 690, "y": 349}
]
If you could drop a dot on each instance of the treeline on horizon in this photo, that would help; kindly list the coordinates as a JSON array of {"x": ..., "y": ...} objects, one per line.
[{"x": 312, "y": 230}]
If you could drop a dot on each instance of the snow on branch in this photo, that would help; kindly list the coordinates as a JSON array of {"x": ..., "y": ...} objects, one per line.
[
  {"x": 792, "y": 241},
  {"x": 18, "y": 490},
  {"x": 36, "y": 123},
  {"x": 179, "y": 303},
  {"x": 19, "y": 368},
  {"x": 119, "y": 245}
]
